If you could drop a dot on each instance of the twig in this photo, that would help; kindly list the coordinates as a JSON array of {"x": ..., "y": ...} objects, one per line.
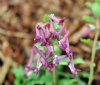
[
  {"x": 54, "y": 76},
  {"x": 94, "y": 51},
  {"x": 5, "y": 68}
]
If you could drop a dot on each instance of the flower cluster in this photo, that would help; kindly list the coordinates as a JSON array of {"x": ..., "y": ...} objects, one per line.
[{"x": 45, "y": 32}]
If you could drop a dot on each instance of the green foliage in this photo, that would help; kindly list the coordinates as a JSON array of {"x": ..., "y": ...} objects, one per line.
[
  {"x": 47, "y": 79},
  {"x": 96, "y": 9},
  {"x": 79, "y": 61},
  {"x": 86, "y": 41},
  {"x": 89, "y": 5},
  {"x": 97, "y": 1},
  {"x": 88, "y": 19},
  {"x": 84, "y": 74},
  {"x": 33, "y": 79},
  {"x": 68, "y": 80},
  {"x": 71, "y": 82},
  {"x": 18, "y": 71}
]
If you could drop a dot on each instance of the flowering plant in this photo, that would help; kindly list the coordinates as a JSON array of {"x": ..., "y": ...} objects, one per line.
[{"x": 52, "y": 29}]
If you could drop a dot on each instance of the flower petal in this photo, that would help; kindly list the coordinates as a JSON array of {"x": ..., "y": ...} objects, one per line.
[
  {"x": 58, "y": 58},
  {"x": 64, "y": 43},
  {"x": 72, "y": 67},
  {"x": 56, "y": 19},
  {"x": 50, "y": 50},
  {"x": 39, "y": 64}
]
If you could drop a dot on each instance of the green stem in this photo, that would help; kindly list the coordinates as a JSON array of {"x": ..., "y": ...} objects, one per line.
[
  {"x": 94, "y": 51},
  {"x": 54, "y": 76}
]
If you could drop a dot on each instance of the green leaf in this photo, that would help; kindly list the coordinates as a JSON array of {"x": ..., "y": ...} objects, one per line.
[
  {"x": 39, "y": 82},
  {"x": 67, "y": 82},
  {"x": 56, "y": 25},
  {"x": 31, "y": 80},
  {"x": 63, "y": 74},
  {"x": 96, "y": 9},
  {"x": 86, "y": 41},
  {"x": 80, "y": 82},
  {"x": 64, "y": 62},
  {"x": 98, "y": 1},
  {"x": 16, "y": 82},
  {"x": 18, "y": 71},
  {"x": 88, "y": 19},
  {"x": 84, "y": 74},
  {"x": 46, "y": 78},
  {"x": 89, "y": 5},
  {"x": 62, "y": 82},
  {"x": 79, "y": 61},
  {"x": 46, "y": 18},
  {"x": 34, "y": 76}
]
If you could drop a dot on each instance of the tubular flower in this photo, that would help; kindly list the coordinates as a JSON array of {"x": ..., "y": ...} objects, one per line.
[{"x": 45, "y": 33}]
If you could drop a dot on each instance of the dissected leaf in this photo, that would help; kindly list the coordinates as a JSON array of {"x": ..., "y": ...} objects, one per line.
[
  {"x": 46, "y": 78},
  {"x": 18, "y": 71}
]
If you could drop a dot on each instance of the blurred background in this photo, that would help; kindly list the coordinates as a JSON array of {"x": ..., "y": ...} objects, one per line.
[{"x": 17, "y": 21}]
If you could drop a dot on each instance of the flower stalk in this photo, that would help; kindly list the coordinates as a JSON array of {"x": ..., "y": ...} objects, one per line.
[
  {"x": 53, "y": 29},
  {"x": 94, "y": 51}
]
